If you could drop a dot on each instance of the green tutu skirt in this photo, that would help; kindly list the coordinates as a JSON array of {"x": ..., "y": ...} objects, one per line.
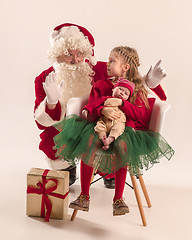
[{"x": 134, "y": 149}]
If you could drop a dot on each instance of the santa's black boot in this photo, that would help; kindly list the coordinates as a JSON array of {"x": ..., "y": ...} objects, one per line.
[
  {"x": 72, "y": 174},
  {"x": 109, "y": 182}
]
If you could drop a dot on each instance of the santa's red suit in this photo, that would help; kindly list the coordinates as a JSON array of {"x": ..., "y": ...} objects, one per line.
[
  {"x": 141, "y": 115},
  {"x": 46, "y": 117},
  {"x": 51, "y": 116}
]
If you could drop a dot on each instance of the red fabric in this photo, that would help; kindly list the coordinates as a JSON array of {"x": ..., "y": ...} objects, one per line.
[
  {"x": 94, "y": 104},
  {"x": 47, "y": 143},
  {"x": 100, "y": 70},
  {"x": 98, "y": 90},
  {"x": 39, "y": 91},
  {"x": 140, "y": 115},
  {"x": 86, "y": 174},
  {"x": 137, "y": 112},
  {"x": 82, "y": 29},
  {"x": 160, "y": 93},
  {"x": 101, "y": 73},
  {"x": 40, "y": 96},
  {"x": 120, "y": 178},
  {"x": 46, "y": 203},
  {"x": 100, "y": 102}
]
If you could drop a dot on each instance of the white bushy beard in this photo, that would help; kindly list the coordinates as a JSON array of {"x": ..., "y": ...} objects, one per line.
[{"x": 77, "y": 79}]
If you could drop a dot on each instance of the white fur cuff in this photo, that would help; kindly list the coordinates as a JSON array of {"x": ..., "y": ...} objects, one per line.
[
  {"x": 43, "y": 118},
  {"x": 57, "y": 164}
]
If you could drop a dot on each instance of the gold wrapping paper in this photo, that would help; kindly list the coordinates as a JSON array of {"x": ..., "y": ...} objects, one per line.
[{"x": 59, "y": 206}]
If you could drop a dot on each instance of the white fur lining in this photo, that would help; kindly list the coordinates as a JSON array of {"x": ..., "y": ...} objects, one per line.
[
  {"x": 150, "y": 94},
  {"x": 57, "y": 164},
  {"x": 43, "y": 118}
]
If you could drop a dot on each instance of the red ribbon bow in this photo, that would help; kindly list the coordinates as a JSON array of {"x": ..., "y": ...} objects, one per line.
[{"x": 46, "y": 191}]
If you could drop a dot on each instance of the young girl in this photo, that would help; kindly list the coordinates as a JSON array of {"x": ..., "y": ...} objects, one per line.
[
  {"x": 134, "y": 149},
  {"x": 122, "y": 90}
]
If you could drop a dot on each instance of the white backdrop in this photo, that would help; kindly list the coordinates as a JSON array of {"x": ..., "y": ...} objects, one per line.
[{"x": 157, "y": 29}]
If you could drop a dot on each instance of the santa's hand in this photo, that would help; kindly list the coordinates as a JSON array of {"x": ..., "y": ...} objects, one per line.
[
  {"x": 85, "y": 113},
  {"x": 155, "y": 75},
  {"x": 115, "y": 102},
  {"x": 110, "y": 113},
  {"x": 52, "y": 89}
]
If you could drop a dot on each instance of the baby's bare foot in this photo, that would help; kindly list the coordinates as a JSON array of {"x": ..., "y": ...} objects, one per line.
[
  {"x": 105, "y": 147},
  {"x": 104, "y": 140}
]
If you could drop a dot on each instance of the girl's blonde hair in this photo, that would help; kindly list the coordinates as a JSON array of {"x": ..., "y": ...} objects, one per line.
[{"x": 131, "y": 57}]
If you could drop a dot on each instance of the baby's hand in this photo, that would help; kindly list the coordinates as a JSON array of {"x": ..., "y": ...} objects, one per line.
[
  {"x": 85, "y": 113},
  {"x": 114, "y": 102}
]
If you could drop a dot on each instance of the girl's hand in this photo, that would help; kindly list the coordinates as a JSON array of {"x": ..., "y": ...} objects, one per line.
[
  {"x": 85, "y": 113},
  {"x": 110, "y": 113},
  {"x": 114, "y": 102}
]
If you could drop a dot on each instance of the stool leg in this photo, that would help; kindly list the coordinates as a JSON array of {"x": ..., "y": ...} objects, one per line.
[
  {"x": 74, "y": 214},
  {"x": 145, "y": 191},
  {"x": 138, "y": 198},
  {"x": 92, "y": 177}
]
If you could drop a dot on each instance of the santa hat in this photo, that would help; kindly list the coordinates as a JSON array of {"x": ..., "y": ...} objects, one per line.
[
  {"x": 72, "y": 36},
  {"x": 125, "y": 83}
]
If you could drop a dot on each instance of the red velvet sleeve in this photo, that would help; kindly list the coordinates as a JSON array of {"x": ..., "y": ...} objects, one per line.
[
  {"x": 138, "y": 112},
  {"x": 39, "y": 91},
  {"x": 132, "y": 111},
  {"x": 95, "y": 93},
  {"x": 159, "y": 92},
  {"x": 95, "y": 104},
  {"x": 55, "y": 113},
  {"x": 100, "y": 70},
  {"x": 99, "y": 89},
  {"x": 40, "y": 96}
]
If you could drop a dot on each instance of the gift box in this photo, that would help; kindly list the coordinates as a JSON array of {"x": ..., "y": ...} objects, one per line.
[{"x": 47, "y": 193}]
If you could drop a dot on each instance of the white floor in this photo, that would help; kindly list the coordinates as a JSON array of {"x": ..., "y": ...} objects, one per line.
[{"x": 169, "y": 218}]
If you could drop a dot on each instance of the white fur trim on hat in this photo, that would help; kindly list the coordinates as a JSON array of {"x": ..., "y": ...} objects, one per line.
[
  {"x": 69, "y": 38},
  {"x": 92, "y": 60}
]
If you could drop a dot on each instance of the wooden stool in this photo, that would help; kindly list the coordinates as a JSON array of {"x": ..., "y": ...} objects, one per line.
[
  {"x": 156, "y": 124},
  {"x": 137, "y": 195}
]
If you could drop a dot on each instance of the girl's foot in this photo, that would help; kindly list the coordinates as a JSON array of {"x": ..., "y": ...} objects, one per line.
[
  {"x": 120, "y": 207},
  {"x": 81, "y": 203}
]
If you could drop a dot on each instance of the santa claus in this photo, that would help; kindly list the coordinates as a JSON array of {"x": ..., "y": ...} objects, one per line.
[{"x": 73, "y": 70}]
